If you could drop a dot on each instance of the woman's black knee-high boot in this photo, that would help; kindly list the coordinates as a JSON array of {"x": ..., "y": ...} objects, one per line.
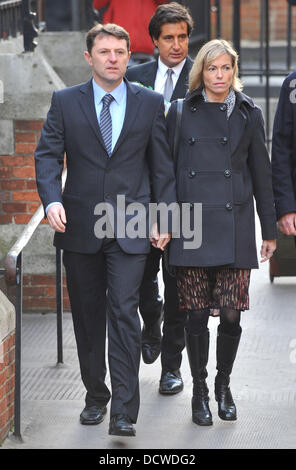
[
  {"x": 198, "y": 353},
  {"x": 227, "y": 347}
]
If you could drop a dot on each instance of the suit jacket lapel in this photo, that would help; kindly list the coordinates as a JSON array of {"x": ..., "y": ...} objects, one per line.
[
  {"x": 132, "y": 104},
  {"x": 182, "y": 83},
  {"x": 88, "y": 107},
  {"x": 150, "y": 76}
]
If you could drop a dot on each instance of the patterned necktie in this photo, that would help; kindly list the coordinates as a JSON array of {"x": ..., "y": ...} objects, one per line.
[
  {"x": 106, "y": 123},
  {"x": 168, "y": 87}
]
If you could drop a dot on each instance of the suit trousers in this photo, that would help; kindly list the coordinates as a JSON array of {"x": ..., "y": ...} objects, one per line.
[
  {"x": 104, "y": 288},
  {"x": 173, "y": 341}
]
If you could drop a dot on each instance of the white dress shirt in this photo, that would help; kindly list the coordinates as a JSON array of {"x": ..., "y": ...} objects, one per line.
[
  {"x": 161, "y": 75},
  {"x": 117, "y": 107}
]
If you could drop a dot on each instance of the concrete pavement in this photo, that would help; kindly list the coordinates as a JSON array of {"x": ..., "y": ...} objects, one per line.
[{"x": 263, "y": 385}]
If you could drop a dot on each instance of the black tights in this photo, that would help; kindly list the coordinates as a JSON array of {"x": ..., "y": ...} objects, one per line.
[{"x": 197, "y": 321}]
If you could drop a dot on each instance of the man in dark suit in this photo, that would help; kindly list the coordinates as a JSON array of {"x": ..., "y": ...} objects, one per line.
[
  {"x": 169, "y": 28},
  {"x": 114, "y": 137},
  {"x": 284, "y": 157}
]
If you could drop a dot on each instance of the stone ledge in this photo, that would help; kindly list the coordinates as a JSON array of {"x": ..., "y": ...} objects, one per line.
[{"x": 7, "y": 317}]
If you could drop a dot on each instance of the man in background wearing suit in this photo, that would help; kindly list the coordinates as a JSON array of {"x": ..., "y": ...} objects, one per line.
[
  {"x": 114, "y": 137},
  {"x": 169, "y": 28}
]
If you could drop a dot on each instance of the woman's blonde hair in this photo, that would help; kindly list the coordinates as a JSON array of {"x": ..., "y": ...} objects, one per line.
[{"x": 209, "y": 52}]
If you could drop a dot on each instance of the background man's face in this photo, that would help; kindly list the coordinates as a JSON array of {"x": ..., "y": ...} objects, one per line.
[
  {"x": 172, "y": 43},
  {"x": 108, "y": 59}
]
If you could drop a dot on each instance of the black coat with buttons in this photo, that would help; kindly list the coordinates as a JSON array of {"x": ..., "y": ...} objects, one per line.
[{"x": 222, "y": 163}]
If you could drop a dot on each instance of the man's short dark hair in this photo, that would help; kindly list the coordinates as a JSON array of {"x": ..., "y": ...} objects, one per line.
[
  {"x": 169, "y": 13},
  {"x": 104, "y": 30}
]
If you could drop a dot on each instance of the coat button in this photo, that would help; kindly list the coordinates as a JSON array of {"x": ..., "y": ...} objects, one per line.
[
  {"x": 223, "y": 107},
  {"x": 192, "y": 173},
  {"x": 192, "y": 141},
  {"x": 193, "y": 109},
  {"x": 227, "y": 173},
  {"x": 224, "y": 140},
  {"x": 228, "y": 206}
]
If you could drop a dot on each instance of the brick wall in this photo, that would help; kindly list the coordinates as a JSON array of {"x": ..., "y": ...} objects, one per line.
[
  {"x": 19, "y": 199},
  {"x": 39, "y": 293},
  {"x": 250, "y": 19},
  {"x": 7, "y": 369},
  {"x": 18, "y": 202}
]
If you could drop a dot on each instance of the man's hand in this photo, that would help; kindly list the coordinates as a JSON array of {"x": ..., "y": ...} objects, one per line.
[
  {"x": 287, "y": 223},
  {"x": 159, "y": 240},
  {"x": 267, "y": 249},
  {"x": 57, "y": 217}
]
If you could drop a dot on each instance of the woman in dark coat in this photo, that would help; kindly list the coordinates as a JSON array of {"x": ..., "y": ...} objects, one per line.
[{"x": 222, "y": 162}]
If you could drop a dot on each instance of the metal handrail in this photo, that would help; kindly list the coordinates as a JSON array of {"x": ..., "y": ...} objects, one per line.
[
  {"x": 20, "y": 244},
  {"x": 13, "y": 273}
]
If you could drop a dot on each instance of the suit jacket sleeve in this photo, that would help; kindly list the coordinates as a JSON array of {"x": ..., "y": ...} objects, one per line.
[
  {"x": 260, "y": 168},
  {"x": 160, "y": 161},
  {"x": 49, "y": 156},
  {"x": 171, "y": 121},
  {"x": 282, "y": 154}
]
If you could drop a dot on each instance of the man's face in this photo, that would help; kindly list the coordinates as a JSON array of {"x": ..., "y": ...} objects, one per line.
[
  {"x": 172, "y": 43},
  {"x": 108, "y": 59}
]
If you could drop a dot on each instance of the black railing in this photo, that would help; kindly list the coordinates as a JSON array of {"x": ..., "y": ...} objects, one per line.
[
  {"x": 13, "y": 273},
  {"x": 10, "y": 19},
  {"x": 30, "y": 31},
  {"x": 16, "y": 18},
  {"x": 264, "y": 70}
]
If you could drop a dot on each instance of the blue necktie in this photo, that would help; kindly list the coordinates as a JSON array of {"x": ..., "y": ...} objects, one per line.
[{"x": 106, "y": 123}]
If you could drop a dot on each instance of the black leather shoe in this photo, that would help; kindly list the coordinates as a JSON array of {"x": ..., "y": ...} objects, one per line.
[
  {"x": 151, "y": 342},
  {"x": 170, "y": 383},
  {"x": 121, "y": 425},
  {"x": 93, "y": 414}
]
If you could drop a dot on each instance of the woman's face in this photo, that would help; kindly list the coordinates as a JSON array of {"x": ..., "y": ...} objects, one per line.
[{"x": 217, "y": 78}]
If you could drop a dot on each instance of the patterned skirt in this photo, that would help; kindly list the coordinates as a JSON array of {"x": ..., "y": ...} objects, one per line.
[{"x": 213, "y": 287}]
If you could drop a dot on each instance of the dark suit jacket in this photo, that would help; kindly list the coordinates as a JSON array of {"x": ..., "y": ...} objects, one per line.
[
  {"x": 284, "y": 149},
  {"x": 141, "y": 156},
  {"x": 146, "y": 74}
]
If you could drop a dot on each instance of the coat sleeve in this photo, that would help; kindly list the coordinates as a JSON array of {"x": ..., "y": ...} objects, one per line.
[
  {"x": 49, "y": 156},
  {"x": 282, "y": 154},
  {"x": 160, "y": 161},
  {"x": 260, "y": 168}
]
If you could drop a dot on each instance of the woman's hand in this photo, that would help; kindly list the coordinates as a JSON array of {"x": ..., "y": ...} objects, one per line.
[
  {"x": 267, "y": 249},
  {"x": 159, "y": 240}
]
